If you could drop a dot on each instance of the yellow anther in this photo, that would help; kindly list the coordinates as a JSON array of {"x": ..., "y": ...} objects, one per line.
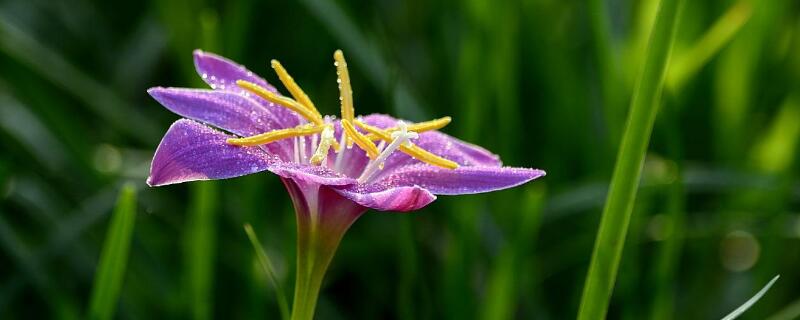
[
  {"x": 294, "y": 89},
  {"x": 410, "y": 148},
  {"x": 345, "y": 90},
  {"x": 281, "y": 100},
  {"x": 360, "y": 139},
  {"x": 326, "y": 141},
  {"x": 267, "y": 137},
  {"x": 418, "y": 127}
]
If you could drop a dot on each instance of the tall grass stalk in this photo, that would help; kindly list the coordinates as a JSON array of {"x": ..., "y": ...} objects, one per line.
[
  {"x": 114, "y": 257},
  {"x": 201, "y": 248},
  {"x": 721, "y": 33},
  {"x": 263, "y": 259},
  {"x": 669, "y": 252},
  {"x": 625, "y": 180}
]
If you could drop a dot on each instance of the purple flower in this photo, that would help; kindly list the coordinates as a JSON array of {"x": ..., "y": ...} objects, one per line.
[{"x": 334, "y": 169}]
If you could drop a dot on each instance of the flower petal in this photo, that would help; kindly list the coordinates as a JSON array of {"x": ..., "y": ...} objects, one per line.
[
  {"x": 464, "y": 180},
  {"x": 402, "y": 199},
  {"x": 310, "y": 174},
  {"x": 222, "y": 74},
  {"x": 229, "y": 111},
  {"x": 192, "y": 151}
]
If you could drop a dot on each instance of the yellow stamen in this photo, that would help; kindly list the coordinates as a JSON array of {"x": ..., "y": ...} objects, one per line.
[
  {"x": 410, "y": 148},
  {"x": 281, "y": 100},
  {"x": 418, "y": 127},
  {"x": 345, "y": 90},
  {"x": 360, "y": 139},
  {"x": 267, "y": 137},
  {"x": 294, "y": 89}
]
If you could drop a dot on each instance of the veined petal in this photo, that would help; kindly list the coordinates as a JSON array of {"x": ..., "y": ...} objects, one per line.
[
  {"x": 192, "y": 151},
  {"x": 402, "y": 199},
  {"x": 229, "y": 111},
  {"x": 222, "y": 74},
  {"x": 310, "y": 173},
  {"x": 463, "y": 180}
]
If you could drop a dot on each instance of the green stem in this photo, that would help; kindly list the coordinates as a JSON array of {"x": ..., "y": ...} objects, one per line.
[
  {"x": 627, "y": 172},
  {"x": 323, "y": 217},
  {"x": 312, "y": 263}
]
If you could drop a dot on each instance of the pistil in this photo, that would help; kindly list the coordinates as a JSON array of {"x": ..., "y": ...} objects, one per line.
[{"x": 399, "y": 138}]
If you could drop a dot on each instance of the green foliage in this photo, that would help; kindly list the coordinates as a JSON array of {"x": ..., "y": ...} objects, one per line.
[
  {"x": 543, "y": 83},
  {"x": 201, "y": 245},
  {"x": 110, "y": 271},
  {"x": 269, "y": 270},
  {"x": 627, "y": 172}
]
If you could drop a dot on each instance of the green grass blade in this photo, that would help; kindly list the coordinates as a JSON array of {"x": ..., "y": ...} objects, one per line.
[
  {"x": 201, "y": 249},
  {"x": 749, "y": 303},
  {"x": 721, "y": 33},
  {"x": 114, "y": 257},
  {"x": 668, "y": 258},
  {"x": 263, "y": 259},
  {"x": 607, "y": 67},
  {"x": 627, "y": 172},
  {"x": 505, "y": 283}
]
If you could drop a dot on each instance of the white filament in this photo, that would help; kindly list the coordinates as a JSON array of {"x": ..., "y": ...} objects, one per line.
[
  {"x": 303, "y": 157},
  {"x": 399, "y": 137},
  {"x": 337, "y": 166}
]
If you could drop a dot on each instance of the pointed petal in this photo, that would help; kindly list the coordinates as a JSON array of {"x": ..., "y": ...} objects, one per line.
[
  {"x": 402, "y": 199},
  {"x": 229, "y": 111},
  {"x": 221, "y": 74},
  {"x": 192, "y": 151},
  {"x": 464, "y": 180}
]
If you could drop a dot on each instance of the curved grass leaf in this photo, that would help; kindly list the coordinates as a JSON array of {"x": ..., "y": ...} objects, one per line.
[
  {"x": 263, "y": 259},
  {"x": 749, "y": 303},
  {"x": 114, "y": 257},
  {"x": 627, "y": 172}
]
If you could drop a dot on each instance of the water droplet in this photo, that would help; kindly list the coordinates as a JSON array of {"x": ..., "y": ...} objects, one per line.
[{"x": 205, "y": 76}]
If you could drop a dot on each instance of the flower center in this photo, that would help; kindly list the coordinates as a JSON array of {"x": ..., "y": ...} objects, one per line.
[{"x": 322, "y": 132}]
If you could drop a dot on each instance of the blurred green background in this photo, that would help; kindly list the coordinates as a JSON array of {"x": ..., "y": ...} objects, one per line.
[{"x": 543, "y": 83}]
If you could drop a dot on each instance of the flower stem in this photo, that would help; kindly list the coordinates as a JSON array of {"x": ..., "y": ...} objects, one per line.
[
  {"x": 323, "y": 217},
  {"x": 312, "y": 263},
  {"x": 627, "y": 172}
]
